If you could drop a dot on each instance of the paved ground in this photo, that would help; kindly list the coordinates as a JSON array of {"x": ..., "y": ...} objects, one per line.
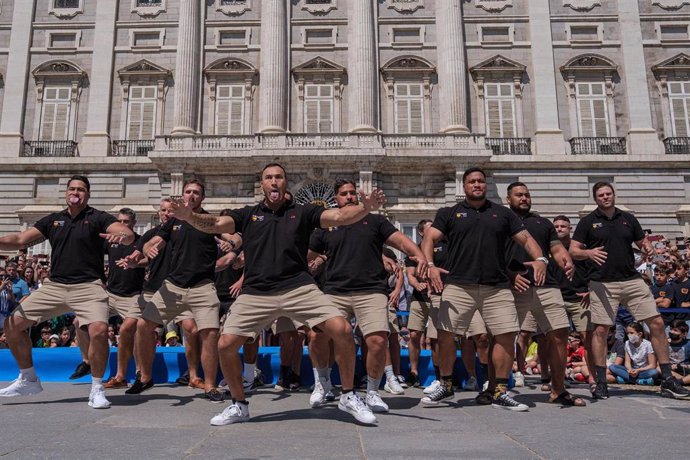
[{"x": 171, "y": 422}]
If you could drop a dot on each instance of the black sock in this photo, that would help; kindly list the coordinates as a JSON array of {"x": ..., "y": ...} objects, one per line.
[
  {"x": 348, "y": 390},
  {"x": 485, "y": 370},
  {"x": 666, "y": 370},
  {"x": 437, "y": 371},
  {"x": 241, "y": 402},
  {"x": 546, "y": 381},
  {"x": 447, "y": 381},
  {"x": 601, "y": 374}
]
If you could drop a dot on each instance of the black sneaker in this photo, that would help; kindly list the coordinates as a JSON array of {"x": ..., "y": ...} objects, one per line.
[
  {"x": 182, "y": 380},
  {"x": 258, "y": 379},
  {"x": 412, "y": 380},
  {"x": 294, "y": 380},
  {"x": 214, "y": 396},
  {"x": 138, "y": 386},
  {"x": 440, "y": 394},
  {"x": 503, "y": 401},
  {"x": 485, "y": 398},
  {"x": 80, "y": 371},
  {"x": 601, "y": 391},
  {"x": 672, "y": 388}
]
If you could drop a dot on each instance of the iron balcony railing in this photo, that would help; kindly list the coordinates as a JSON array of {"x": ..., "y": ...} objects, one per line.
[
  {"x": 677, "y": 145},
  {"x": 132, "y": 148},
  {"x": 49, "y": 149},
  {"x": 598, "y": 146},
  {"x": 509, "y": 145}
]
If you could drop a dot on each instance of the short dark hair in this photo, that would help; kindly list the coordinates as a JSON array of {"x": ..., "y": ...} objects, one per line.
[
  {"x": 471, "y": 170},
  {"x": 82, "y": 179},
  {"x": 340, "y": 182},
  {"x": 195, "y": 182},
  {"x": 272, "y": 165},
  {"x": 602, "y": 184},
  {"x": 516, "y": 184},
  {"x": 680, "y": 324},
  {"x": 128, "y": 212},
  {"x": 636, "y": 326},
  {"x": 561, "y": 217},
  {"x": 421, "y": 224},
  {"x": 11, "y": 265}
]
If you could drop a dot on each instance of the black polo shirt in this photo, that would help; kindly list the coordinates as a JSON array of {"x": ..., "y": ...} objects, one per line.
[
  {"x": 159, "y": 266},
  {"x": 193, "y": 257},
  {"x": 354, "y": 251},
  {"x": 226, "y": 278},
  {"x": 121, "y": 282},
  {"x": 77, "y": 250},
  {"x": 440, "y": 261},
  {"x": 544, "y": 233},
  {"x": 667, "y": 292},
  {"x": 477, "y": 242},
  {"x": 275, "y": 245},
  {"x": 579, "y": 284},
  {"x": 616, "y": 235}
]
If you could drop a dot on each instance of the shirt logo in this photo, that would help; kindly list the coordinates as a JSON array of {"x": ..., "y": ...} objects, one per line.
[
  {"x": 438, "y": 249},
  {"x": 494, "y": 216},
  {"x": 662, "y": 293},
  {"x": 58, "y": 223},
  {"x": 597, "y": 225},
  {"x": 684, "y": 290},
  {"x": 292, "y": 216},
  {"x": 332, "y": 229},
  {"x": 256, "y": 218},
  {"x": 176, "y": 228},
  {"x": 364, "y": 222},
  {"x": 460, "y": 215}
]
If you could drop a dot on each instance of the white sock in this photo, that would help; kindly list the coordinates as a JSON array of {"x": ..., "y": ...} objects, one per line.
[
  {"x": 389, "y": 372},
  {"x": 373, "y": 383},
  {"x": 96, "y": 382},
  {"x": 28, "y": 374},
  {"x": 248, "y": 373},
  {"x": 322, "y": 373},
  {"x": 328, "y": 374}
]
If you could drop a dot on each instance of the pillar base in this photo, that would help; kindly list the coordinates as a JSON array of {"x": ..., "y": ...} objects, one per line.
[
  {"x": 364, "y": 129},
  {"x": 455, "y": 129},
  {"x": 549, "y": 142},
  {"x": 272, "y": 130},
  {"x": 644, "y": 142},
  {"x": 182, "y": 131},
  {"x": 11, "y": 145},
  {"x": 94, "y": 145}
]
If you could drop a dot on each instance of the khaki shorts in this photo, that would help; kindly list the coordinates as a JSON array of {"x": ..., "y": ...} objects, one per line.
[
  {"x": 125, "y": 307},
  {"x": 496, "y": 306},
  {"x": 605, "y": 299},
  {"x": 170, "y": 301},
  {"x": 424, "y": 315},
  {"x": 370, "y": 310},
  {"x": 477, "y": 326},
  {"x": 546, "y": 306},
  {"x": 284, "y": 324},
  {"x": 305, "y": 304},
  {"x": 580, "y": 316},
  {"x": 146, "y": 297},
  {"x": 393, "y": 324},
  {"x": 89, "y": 301}
]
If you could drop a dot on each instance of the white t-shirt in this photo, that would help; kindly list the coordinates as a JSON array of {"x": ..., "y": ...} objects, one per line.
[{"x": 638, "y": 355}]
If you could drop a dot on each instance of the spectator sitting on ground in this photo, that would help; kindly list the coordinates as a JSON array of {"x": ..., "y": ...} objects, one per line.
[
  {"x": 54, "y": 341},
  {"x": 576, "y": 364},
  {"x": 112, "y": 337},
  {"x": 65, "y": 337},
  {"x": 3, "y": 340},
  {"x": 680, "y": 350},
  {"x": 640, "y": 360},
  {"x": 43, "y": 342},
  {"x": 662, "y": 290},
  {"x": 172, "y": 339},
  {"x": 532, "y": 365}
]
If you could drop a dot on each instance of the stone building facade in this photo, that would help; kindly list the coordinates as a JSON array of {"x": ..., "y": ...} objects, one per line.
[{"x": 399, "y": 94}]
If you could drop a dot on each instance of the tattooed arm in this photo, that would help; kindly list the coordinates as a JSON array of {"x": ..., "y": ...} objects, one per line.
[
  {"x": 207, "y": 223},
  {"x": 21, "y": 240}
]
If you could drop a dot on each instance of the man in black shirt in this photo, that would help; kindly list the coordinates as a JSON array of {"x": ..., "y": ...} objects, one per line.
[
  {"x": 76, "y": 284},
  {"x": 605, "y": 236},
  {"x": 357, "y": 283},
  {"x": 275, "y": 238},
  {"x": 545, "y": 302},
  {"x": 477, "y": 231}
]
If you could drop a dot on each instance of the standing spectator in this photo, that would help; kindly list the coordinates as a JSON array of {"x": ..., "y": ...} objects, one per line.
[
  {"x": 30, "y": 278},
  {"x": 640, "y": 361},
  {"x": 19, "y": 286}
]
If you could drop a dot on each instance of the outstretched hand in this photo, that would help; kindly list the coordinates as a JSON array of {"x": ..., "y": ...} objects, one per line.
[
  {"x": 372, "y": 201},
  {"x": 113, "y": 238},
  {"x": 181, "y": 208}
]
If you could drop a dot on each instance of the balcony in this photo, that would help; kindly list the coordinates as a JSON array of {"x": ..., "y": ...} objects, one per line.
[
  {"x": 509, "y": 145},
  {"x": 598, "y": 146},
  {"x": 677, "y": 145},
  {"x": 43, "y": 149},
  {"x": 132, "y": 148}
]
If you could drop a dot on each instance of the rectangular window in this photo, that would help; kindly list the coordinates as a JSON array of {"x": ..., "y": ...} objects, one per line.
[
  {"x": 232, "y": 38},
  {"x": 496, "y": 34},
  {"x": 59, "y": 40},
  {"x": 499, "y": 108},
  {"x": 584, "y": 33},
  {"x": 136, "y": 187},
  {"x": 47, "y": 187},
  {"x": 230, "y": 110},
  {"x": 410, "y": 231},
  {"x": 673, "y": 31},
  {"x": 141, "y": 117},
  {"x": 318, "y": 36},
  {"x": 149, "y": 2},
  {"x": 406, "y": 36},
  {"x": 318, "y": 108},
  {"x": 146, "y": 39},
  {"x": 55, "y": 114},
  {"x": 66, "y": 4},
  {"x": 679, "y": 100},
  {"x": 409, "y": 108},
  {"x": 592, "y": 110}
]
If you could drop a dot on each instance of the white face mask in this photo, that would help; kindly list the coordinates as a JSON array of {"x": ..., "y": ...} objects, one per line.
[{"x": 634, "y": 338}]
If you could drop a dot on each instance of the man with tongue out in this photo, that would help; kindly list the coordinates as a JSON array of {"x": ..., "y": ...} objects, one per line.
[
  {"x": 76, "y": 284},
  {"x": 277, "y": 283}
]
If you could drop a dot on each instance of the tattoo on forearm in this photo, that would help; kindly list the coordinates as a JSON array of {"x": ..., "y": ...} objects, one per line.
[
  {"x": 35, "y": 242},
  {"x": 203, "y": 221}
]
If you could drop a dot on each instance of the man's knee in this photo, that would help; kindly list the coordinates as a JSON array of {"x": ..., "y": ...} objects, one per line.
[
  {"x": 229, "y": 343},
  {"x": 15, "y": 325},
  {"x": 98, "y": 329}
]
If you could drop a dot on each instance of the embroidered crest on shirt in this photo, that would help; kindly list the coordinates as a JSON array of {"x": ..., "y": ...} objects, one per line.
[
  {"x": 58, "y": 223},
  {"x": 460, "y": 215},
  {"x": 597, "y": 225},
  {"x": 256, "y": 218}
]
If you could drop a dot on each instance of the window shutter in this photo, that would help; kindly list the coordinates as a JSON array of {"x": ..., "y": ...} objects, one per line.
[
  {"x": 500, "y": 110},
  {"x": 318, "y": 108},
  {"x": 507, "y": 119},
  {"x": 142, "y": 112},
  {"x": 679, "y": 99},
  {"x": 222, "y": 117},
  {"x": 409, "y": 108},
  {"x": 311, "y": 119},
  {"x": 416, "y": 114},
  {"x": 236, "y": 117},
  {"x": 592, "y": 109},
  {"x": 230, "y": 110},
  {"x": 325, "y": 116},
  {"x": 134, "y": 120},
  {"x": 55, "y": 114}
]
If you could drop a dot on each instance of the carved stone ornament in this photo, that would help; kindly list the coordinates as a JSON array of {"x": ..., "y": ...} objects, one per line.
[
  {"x": 671, "y": 4},
  {"x": 582, "y": 5},
  {"x": 319, "y": 6},
  {"x": 148, "y": 11},
  {"x": 55, "y": 68},
  {"x": 144, "y": 67},
  {"x": 233, "y": 7},
  {"x": 405, "y": 6},
  {"x": 493, "y": 6},
  {"x": 66, "y": 13}
]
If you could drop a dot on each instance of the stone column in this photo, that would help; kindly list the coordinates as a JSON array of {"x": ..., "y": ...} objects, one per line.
[
  {"x": 187, "y": 69},
  {"x": 548, "y": 137},
  {"x": 362, "y": 72},
  {"x": 274, "y": 72},
  {"x": 15, "y": 79},
  {"x": 451, "y": 67},
  {"x": 176, "y": 182},
  {"x": 642, "y": 137},
  {"x": 96, "y": 139}
]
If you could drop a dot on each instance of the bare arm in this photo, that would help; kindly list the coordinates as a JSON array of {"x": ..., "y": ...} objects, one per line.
[
  {"x": 431, "y": 237},
  {"x": 394, "y": 297},
  {"x": 347, "y": 215},
  {"x": 646, "y": 247},
  {"x": 402, "y": 243},
  {"x": 663, "y": 302},
  {"x": 118, "y": 233},
  {"x": 225, "y": 261},
  {"x": 206, "y": 223},
  {"x": 578, "y": 252},
  {"x": 153, "y": 246},
  {"x": 562, "y": 257},
  {"x": 27, "y": 238},
  {"x": 524, "y": 239}
]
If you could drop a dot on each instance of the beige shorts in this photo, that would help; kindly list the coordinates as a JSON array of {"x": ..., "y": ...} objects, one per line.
[
  {"x": 424, "y": 315},
  {"x": 284, "y": 324},
  {"x": 125, "y": 307},
  {"x": 170, "y": 301},
  {"x": 393, "y": 324},
  {"x": 305, "y": 304},
  {"x": 477, "y": 326},
  {"x": 459, "y": 302},
  {"x": 580, "y": 316},
  {"x": 89, "y": 301},
  {"x": 369, "y": 309},
  {"x": 529, "y": 324},
  {"x": 146, "y": 297},
  {"x": 546, "y": 306},
  {"x": 606, "y": 297}
]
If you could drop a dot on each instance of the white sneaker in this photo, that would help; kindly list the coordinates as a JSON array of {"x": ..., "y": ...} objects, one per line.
[
  {"x": 97, "y": 398},
  {"x": 330, "y": 396},
  {"x": 393, "y": 386},
  {"x": 223, "y": 385},
  {"x": 402, "y": 381},
  {"x": 353, "y": 404},
  {"x": 519, "y": 379},
  {"x": 432, "y": 387},
  {"x": 320, "y": 394},
  {"x": 375, "y": 402},
  {"x": 21, "y": 387},
  {"x": 470, "y": 384},
  {"x": 236, "y": 412}
]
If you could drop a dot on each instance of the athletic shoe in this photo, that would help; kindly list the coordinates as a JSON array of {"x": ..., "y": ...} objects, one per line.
[
  {"x": 294, "y": 380},
  {"x": 97, "y": 398},
  {"x": 440, "y": 394},
  {"x": 21, "y": 387},
  {"x": 401, "y": 381},
  {"x": 214, "y": 396},
  {"x": 470, "y": 384},
  {"x": 485, "y": 398},
  {"x": 601, "y": 391},
  {"x": 519, "y": 379},
  {"x": 672, "y": 388},
  {"x": 412, "y": 380},
  {"x": 431, "y": 388},
  {"x": 138, "y": 386},
  {"x": 80, "y": 371},
  {"x": 353, "y": 405},
  {"x": 375, "y": 402},
  {"x": 503, "y": 401},
  {"x": 113, "y": 384},
  {"x": 619, "y": 380},
  {"x": 319, "y": 395},
  {"x": 645, "y": 381},
  {"x": 259, "y": 380},
  {"x": 392, "y": 386},
  {"x": 248, "y": 386},
  {"x": 330, "y": 396},
  {"x": 236, "y": 412}
]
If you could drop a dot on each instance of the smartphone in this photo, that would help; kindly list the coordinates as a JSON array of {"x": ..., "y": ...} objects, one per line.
[{"x": 681, "y": 246}]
